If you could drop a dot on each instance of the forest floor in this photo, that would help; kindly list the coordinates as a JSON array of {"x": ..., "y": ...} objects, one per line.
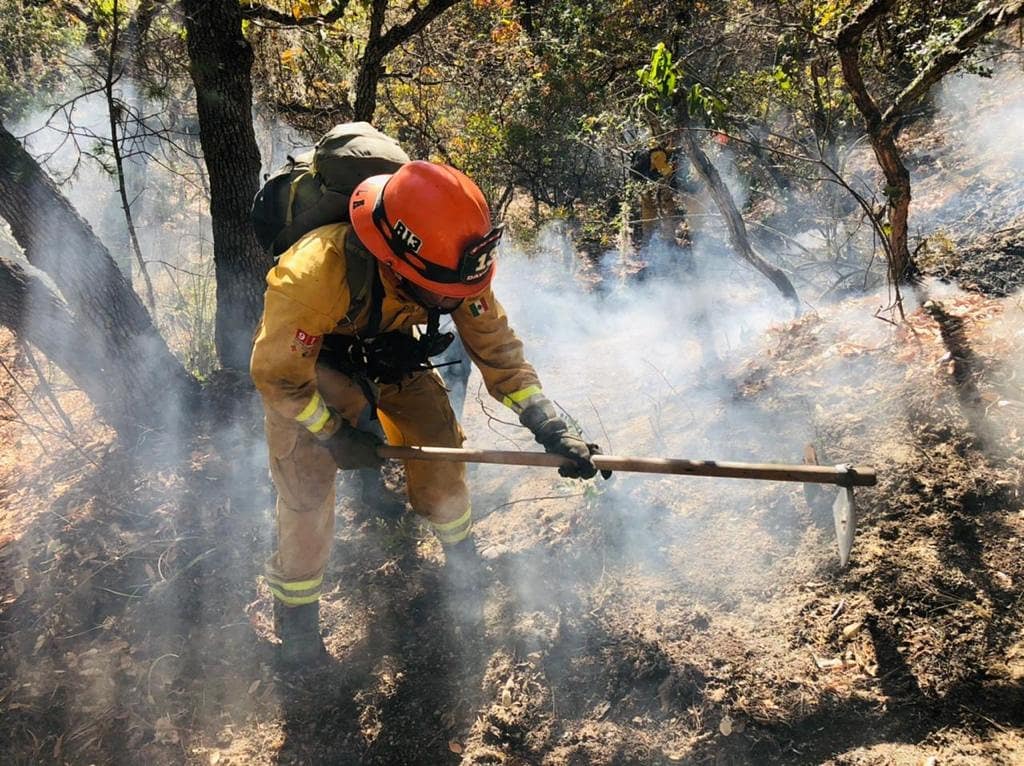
[
  {"x": 642, "y": 621},
  {"x": 652, "y": 620}
]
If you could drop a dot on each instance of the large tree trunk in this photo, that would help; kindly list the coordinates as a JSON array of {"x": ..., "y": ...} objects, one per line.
[
  {"x": 735, "y": 225},
  {"x": 128, "y": 350},
  {"x": 221, "y": 63},
  {"x": 31, "y": 306}
]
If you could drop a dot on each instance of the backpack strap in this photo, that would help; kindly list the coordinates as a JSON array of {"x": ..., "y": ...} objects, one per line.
[
  {"x": 364, "y": 284},
  {"x": 293, "y": 188}
]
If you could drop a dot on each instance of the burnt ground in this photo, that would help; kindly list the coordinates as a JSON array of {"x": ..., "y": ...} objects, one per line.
[
  {"x": 650, "y": 620},
  {"x": 641, "y": 621}
]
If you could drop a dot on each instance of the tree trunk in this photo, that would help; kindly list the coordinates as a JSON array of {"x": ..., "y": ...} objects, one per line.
[
  {"x": 31, "y": 307},
  {"x": 221, "y": 62},
  {"x": 733, "y": 220},
  {"x": 902, "y": 269},
  {"x": 370, "y": 67},
  {"x": 129, "y": 351}
]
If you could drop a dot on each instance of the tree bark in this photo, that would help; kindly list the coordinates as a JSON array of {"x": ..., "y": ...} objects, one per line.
[
  {"x": 33, "y": 309},
  {"x": 733, "y": 220},
  {"x": 131, "y": 354},
  {"x": 221, "y": 61},
  {"x": 370, "y": 68},
  {"x": 951, "y": 56}
]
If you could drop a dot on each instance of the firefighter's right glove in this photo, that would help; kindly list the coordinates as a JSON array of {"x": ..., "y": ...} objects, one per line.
[
  {"x": 552, "y": 432},
  {"x": 353, "y": 448}
]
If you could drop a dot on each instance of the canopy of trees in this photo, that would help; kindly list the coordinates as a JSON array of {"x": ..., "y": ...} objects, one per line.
[{"x": 544, "y": 102}]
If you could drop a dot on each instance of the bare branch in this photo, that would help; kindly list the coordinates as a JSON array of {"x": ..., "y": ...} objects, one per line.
[
  {"x": 255, "y": 11},
  {"x": 950, "y": 56},
  {"x": 399, "y": 33}
]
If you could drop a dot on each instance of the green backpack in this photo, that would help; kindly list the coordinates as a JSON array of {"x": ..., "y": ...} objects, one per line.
[{"x": 313, "y": 188}]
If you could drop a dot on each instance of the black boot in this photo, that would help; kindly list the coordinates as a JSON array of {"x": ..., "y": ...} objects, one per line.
[
  {"x": 298, "y": 627},
  {"x": 377, "y": 500},
  {"x": 465, "y": 584}
]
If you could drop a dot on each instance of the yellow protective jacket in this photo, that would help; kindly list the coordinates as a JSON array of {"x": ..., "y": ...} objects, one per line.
[{"x": 308, "y": 296}]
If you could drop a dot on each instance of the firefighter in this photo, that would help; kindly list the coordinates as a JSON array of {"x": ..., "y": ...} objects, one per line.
[
  {"x": 337, "y": 361},
  {"x": 660, "y": 210}
]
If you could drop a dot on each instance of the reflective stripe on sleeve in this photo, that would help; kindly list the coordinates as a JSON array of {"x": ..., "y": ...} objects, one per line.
[
  {"x": 315, "y": 416},
  {"x": 519, "y": 400},
  {"x": 451, "y": 532},
  {"x": 295, "y": 593}
]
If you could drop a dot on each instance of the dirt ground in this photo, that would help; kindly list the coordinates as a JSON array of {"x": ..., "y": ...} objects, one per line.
[{"x": 639, "y": 621}]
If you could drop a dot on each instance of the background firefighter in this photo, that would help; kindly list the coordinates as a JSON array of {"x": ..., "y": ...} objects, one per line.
[
  {"x": 330, "y": 358},
  {"x": 662, "y": 214}
]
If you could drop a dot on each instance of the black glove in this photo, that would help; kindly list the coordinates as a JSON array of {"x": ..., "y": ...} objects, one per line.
[
  {"x": 551, "y": 431},
  {"x": 352, "y": 448}
]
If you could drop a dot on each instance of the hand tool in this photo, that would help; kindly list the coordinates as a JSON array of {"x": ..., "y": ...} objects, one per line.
[{"x": 844, "y": 476}]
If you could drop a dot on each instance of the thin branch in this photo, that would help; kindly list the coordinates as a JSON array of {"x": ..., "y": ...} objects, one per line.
[
  {"x": 115, "y": 146},
  {"x": 400, "y": 33},
  {"x": 255, "y": 11},
  {"x": 957, "y": 50},
  {"x": 47, "y": 390}
]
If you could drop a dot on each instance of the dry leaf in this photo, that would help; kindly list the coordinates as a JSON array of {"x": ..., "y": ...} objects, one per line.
[
  {"x": 852, "y": 630},
  {"x": 289, "y": 54},
  {"x": 165, "y": 731},
  {"x": 826, "y": 663}
]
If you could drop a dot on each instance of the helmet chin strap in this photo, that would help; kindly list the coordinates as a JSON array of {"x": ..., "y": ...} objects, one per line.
[{"x": 435, "y": 341}]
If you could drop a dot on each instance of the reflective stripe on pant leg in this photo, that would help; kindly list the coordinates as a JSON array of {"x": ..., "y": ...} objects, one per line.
[
  {"x": 451, "y": 532},
  {"x": 295, "y": 593},
  {"x": 315, "y": 416}
]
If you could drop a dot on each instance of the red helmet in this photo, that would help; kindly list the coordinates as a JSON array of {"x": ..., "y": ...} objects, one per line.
[{"x": 431, "y": 224}]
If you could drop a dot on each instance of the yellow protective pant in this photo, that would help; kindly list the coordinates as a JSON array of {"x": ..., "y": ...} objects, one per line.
[
  {"x": 417, "y": 412},
  {"x": 659, "y": 213}
]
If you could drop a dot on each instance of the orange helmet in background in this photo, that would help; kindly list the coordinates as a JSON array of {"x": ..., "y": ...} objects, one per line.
[{"x": 430, "y": 223}]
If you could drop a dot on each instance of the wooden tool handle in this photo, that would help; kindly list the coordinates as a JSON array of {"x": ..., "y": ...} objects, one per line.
[{"x": 852, "y": 476}]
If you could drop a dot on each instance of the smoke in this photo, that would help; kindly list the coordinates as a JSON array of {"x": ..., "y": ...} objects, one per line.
[
  {"x": 146, "y": 545},
  {"x": 160, "y": 177},
  {"x": 655, "y": 364},
  {"x": 983, "y": 115},
  {"x": 967, "y": 176},
  {"x": 633, "y": 337},
  {"x": 648, "y": 367}
]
